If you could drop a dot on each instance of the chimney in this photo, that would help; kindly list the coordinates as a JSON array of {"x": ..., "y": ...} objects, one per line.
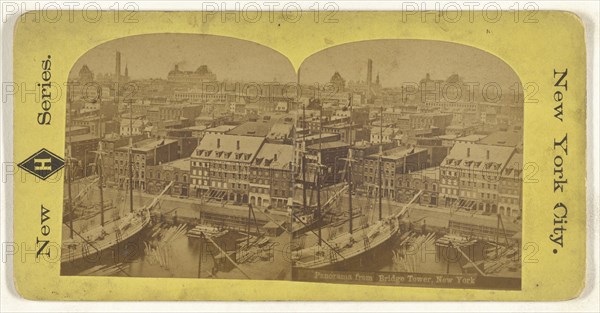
[
  {"x": 275, "y": 157},
  {"x": 468, "y": 152},
  {"x": 369, "y": 78},
  {"x": 238, "y": 145},
  {"x": 218, "y": 143},
  {"x": 488, "y": 154},
  {"x": 117, "y": 66}
]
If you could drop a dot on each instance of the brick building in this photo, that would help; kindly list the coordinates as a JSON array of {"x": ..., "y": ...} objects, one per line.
[
  {"x": 220, "y": 166},
  {"x": 476, "y": 177},
  {"x": 330, "y": 155},
  {"x": 395, "y": 162},
  {"x": 144, "y": 153},
  {"x": 426, "y": 180},
  {"x": 178, "y": 172},
  {"x": 271, "y": 183}
]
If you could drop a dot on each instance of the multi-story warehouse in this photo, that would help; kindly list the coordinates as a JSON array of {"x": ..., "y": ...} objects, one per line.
[
  {"x": 178, "y": 172},
  {"x": 426, "y": 180},
  {"x": 510, "y": 187},
  {"x": 144, "y": 153},
  {"x": 81, "y": 149},
  {"x": 220, "y": 166},
  {"x": 476, "y": 177},
  {"x": 394, "y": 162},
  {"x": 178, "y": 111},
  {"x": 271, "y": 183},
  {"x": 331, "y": 156}
]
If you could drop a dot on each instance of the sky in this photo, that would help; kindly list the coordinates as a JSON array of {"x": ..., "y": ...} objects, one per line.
[
  {"x": 399, "y": 61},
  {"x": 154, "y": 55},
  {"x": 396, "y": 61}
]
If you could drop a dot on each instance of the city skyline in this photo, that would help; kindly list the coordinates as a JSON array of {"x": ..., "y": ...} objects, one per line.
[
  {"x": 398, "y": 61},
  {"x": 162, "y": 52}
]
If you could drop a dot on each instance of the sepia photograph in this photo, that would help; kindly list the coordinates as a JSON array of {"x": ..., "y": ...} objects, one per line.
[
  {"x": 394, "y": 162},
  {"x": 411, "y": 160},
  {"x": 180, "y": 160},
  {"x": 299, "y": 156}
]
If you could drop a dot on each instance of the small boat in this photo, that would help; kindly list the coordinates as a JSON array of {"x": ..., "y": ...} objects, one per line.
[{"x": 204, "y": 230}]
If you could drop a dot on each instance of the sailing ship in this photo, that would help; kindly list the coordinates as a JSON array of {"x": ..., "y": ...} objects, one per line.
[
  {"x": 108, "y": 234},
  {"x": 352, "y": 245},
  {"x": 309, "y": 216}
]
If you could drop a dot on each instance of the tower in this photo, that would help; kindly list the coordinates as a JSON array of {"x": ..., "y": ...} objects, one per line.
[
  {"x": 117, "y": 66},
  {"x": 369, "y": 79}
]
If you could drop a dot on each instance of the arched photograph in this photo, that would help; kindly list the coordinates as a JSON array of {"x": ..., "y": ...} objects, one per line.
[
  {"x": 410, "y": 158},
  {"x": 180, "y": 159}
]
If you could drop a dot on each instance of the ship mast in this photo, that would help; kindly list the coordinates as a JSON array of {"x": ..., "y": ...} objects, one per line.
[
  {"x": 350, "y": 168},
  {"x": 101, "y": 182},
  {"x": 130, "y": 156},
  {"x": 380, "y": 158},
  {"x": 318, "y": 172},
  {"x": 303, "y": 152},
  {"x": 70, "y": 173}
]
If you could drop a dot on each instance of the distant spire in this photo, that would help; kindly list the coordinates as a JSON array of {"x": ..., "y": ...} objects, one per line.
[{"x": 127, "y": 72}]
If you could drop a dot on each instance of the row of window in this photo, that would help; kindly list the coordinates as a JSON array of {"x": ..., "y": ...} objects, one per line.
[
  {"x": 167, "y": 176},
  {"x": 510, "y": 200},
  {"x": 469, "y": 193},
  {"x": 222, "y": 166},
  {"x": 135, "y": 174}
]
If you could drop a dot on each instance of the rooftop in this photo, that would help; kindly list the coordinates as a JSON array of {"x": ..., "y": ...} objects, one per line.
[
  {"x": 84, "y": 137},
  {"x": 182, "y": 164},
  {"x": 317, "y": 136},
  {"x": 387, "y": 131},
  {"x": 472, "y": 155},
  {"x": 461, "y": 126},
  {"x": 273, "y": 155},
  {"x": 148, "y": 145},
  {"x": 280, "y": 130},
  {"x": 471, "y": 138},
  {"x": 197, "y": 128},
  {"x": 259, "y": 129},
  {"x": 221, "y": 128},
  {"x": 514, "y": 166},
  {"x": 76, "y": 128},
  {"x": 399, "y": 152},
  {"x": 328, "y": 145},
  {"x": 228, "y": 147},
  {"x": 448, "y": 137},
  {"x": 504, "y": 138},
  {"x": 431, "y": 173}
]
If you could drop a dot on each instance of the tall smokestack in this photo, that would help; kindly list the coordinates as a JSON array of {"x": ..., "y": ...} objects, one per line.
[
  {"x": 369, "y": 77},
  {"x": 118, "y": 66}
]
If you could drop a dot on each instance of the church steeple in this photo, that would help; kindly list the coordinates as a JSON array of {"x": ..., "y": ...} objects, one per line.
[{"x": 127, "y": 71}]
